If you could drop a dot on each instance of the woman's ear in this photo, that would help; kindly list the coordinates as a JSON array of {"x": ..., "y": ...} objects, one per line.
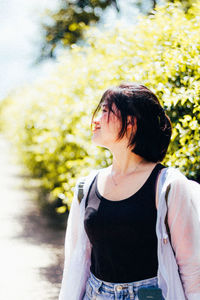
[
  {"x": 131, "y": 126},
  {"x": 132, "y": 123}
]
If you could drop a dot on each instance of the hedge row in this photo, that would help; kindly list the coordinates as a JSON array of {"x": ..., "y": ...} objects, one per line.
[{"x": 49, "y": 121}]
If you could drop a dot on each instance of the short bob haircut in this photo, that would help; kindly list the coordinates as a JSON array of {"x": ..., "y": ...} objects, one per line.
[{"x": 154, "y": 128}]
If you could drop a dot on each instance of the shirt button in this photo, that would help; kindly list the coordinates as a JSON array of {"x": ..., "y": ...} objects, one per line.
[{"x": 119, "y": 288}]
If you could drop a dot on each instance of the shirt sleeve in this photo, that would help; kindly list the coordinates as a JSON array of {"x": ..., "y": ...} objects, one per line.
[
  {"x": 184, "y": 225},
  {"x": 71, "y": 237}
]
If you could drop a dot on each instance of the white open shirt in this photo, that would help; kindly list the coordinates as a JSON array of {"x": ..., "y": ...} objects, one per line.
[{"x": 184, "y": 223}]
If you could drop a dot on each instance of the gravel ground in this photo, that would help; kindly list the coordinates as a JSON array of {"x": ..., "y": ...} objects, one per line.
[{"x": 31, "y": 247}]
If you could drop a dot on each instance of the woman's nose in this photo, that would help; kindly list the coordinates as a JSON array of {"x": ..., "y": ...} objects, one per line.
[{"x": 96, "y": 120}]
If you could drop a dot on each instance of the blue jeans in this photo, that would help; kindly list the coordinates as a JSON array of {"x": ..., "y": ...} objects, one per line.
[{"x": 97, "y": 289}]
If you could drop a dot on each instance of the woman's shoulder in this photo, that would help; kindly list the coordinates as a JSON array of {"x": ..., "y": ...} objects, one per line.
[
  {"x": 83, "y": 183},
  {"x": 94, "y": 172},
  {"x": 179, "y": 183},
  {"x": 174, "y": 174},
  {"x": 172, "y": 178},
  {"x": 86, "y": 180}
]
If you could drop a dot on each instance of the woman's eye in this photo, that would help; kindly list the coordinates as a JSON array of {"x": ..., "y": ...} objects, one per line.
[{"x": 104, "y": 110}]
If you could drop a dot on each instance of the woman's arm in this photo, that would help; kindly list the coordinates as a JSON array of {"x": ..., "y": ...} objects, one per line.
[{"x": 184, "y": 224}]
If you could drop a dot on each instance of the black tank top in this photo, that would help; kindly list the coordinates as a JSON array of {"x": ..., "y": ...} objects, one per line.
[{"x": 123, "y": 233}]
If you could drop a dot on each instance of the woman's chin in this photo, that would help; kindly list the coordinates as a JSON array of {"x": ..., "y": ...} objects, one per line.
[
  {"x": 95, "y": 138},
  {"x": 97, "y": 142}
]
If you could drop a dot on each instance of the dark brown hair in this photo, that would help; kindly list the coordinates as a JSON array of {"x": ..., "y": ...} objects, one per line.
[{"x": 154, "y": 128}]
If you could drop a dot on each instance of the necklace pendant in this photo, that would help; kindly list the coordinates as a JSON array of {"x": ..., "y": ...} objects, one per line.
[{"x": 114, "y": 181}]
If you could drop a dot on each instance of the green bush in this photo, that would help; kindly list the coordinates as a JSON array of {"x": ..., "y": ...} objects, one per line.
[{"x": 52, "y": 116}]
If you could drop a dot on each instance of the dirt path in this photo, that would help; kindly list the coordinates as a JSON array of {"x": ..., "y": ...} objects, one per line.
[{"x": 31, "y": 248}]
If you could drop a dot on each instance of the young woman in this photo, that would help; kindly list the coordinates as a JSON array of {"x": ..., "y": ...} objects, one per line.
[{"x": 114, "y": 237}]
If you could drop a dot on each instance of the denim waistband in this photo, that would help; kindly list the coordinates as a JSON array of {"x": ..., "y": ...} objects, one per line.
[
  {"x": 111, "y": 287},
  {"x": 133, "y": 284}
]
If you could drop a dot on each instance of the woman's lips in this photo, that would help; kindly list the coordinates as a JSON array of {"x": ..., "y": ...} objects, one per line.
[{"x": 95, "y": 129}]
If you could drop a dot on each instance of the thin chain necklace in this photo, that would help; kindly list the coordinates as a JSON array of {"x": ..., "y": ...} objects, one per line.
[{"x": 115, "y": 183}]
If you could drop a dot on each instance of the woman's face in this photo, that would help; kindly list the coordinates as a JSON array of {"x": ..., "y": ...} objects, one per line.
[{"x": 105, "y": 132}]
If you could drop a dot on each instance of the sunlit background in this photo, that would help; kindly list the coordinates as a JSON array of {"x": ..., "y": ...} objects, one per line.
[
  {"x": 21, "y": 37},
  {"x": 49, "y": 87}
]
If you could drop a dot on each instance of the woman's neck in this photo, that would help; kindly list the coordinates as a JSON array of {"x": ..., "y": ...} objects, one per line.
[{"x": 125, "y": 162}]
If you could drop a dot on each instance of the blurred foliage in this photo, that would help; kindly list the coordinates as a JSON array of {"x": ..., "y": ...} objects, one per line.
[
  {"x": 49, "y": 121},
  {"x": 66, "y": 26}
]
